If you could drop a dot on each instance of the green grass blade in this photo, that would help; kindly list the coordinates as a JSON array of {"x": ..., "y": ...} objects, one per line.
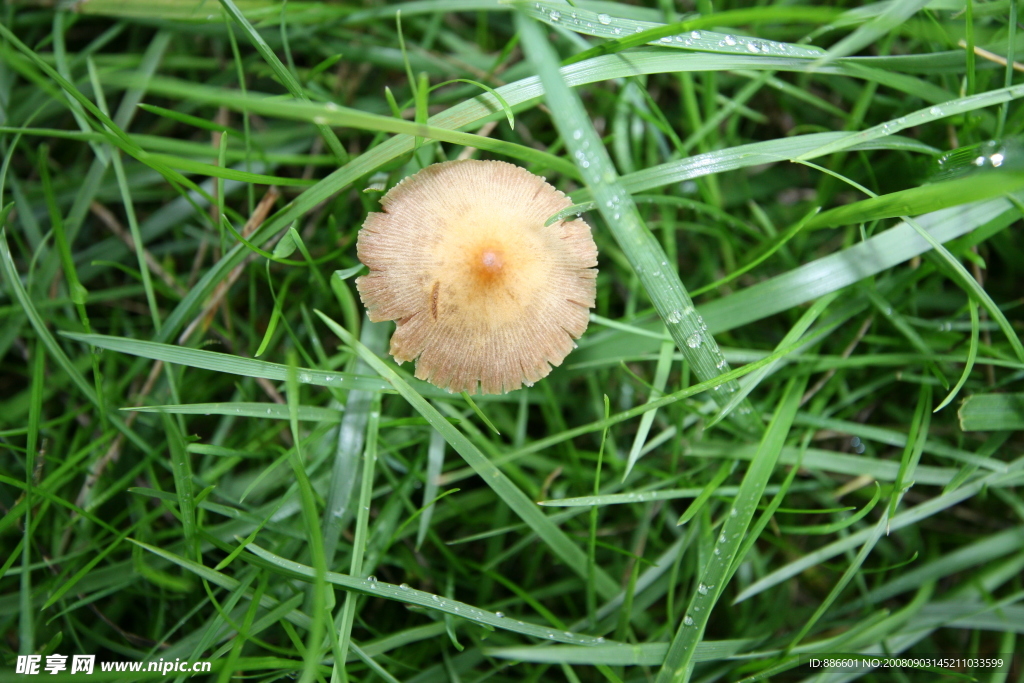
[
  {"x": 223, "y": 362},
  {"x": 266, "y": 411},
  {"x": 632, "y": 32},
  {"x": 679, "y": 659},
  {"x": 432, "y": 601},
  {"x": 992, "y": 412}
]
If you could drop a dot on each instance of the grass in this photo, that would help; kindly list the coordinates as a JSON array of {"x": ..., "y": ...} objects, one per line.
[{"x": 792, "y": 430}]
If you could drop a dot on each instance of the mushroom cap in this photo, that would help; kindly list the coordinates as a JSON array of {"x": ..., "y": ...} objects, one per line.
[{"x": 483, "y": 293}]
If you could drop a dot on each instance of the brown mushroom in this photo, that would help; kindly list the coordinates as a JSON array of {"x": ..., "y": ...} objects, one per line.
[{"x": 483, "y": 293}]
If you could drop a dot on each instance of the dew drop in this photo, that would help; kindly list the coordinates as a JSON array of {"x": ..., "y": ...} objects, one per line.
[
  {"x": 555, "y": 15},
  {"x": 616, "y": 30},
  {"x": 371, "y": 578},
  {"x": 688, "y": 620},
  {"x": 604, "y": 19},
  {"x": 666, "y": 39},
  {"x": 674, "y": 317},
  {"x": 730, "y": 40},
  {"x": 702, "y": 589},
  {"x": 721, "y": 364},
  {"x": 695, "y": 35},
  {"x": 752, "y": 47},
  {"x": 404, "y": 586},
  {"x": 500, "y": 615},
  {"x": 934, "y": 111},
  {"x": 435, "y": 598},
  {"x": 599, "y": 639},
  {"x": 694, "y": 340}
]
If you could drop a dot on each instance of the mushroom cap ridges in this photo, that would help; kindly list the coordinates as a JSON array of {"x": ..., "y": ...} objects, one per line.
[{"x": 485, "y": 296}]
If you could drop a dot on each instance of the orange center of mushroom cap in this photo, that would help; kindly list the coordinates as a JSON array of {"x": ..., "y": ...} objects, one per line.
[{"x": 491, "y": 262}]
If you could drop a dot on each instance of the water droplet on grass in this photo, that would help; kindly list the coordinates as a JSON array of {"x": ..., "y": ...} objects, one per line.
[
  {"x": 604, "y": 19},
  {"x": 694, "y": 340},
  {"x": 729, "y": 40}
]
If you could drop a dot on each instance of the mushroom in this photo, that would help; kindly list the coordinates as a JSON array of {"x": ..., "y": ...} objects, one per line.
[{"x": 484, "y": 295}]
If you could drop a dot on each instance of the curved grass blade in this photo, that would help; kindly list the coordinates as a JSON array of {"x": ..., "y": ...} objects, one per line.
[
  {"x": 272, "y": 411},
  {"x": 682, "y": 36},
  {"x": 920, "y": 117},
  {"x": 826, "y": 529},
  {"x": 223, "y": 362},
  {"x": 924, "y": 199},
  {"x": 972, "y": 354},
  {"x": 411, "y": 596}
]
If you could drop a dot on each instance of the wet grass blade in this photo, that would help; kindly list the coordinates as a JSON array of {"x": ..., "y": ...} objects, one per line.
[
  {"x": 646, "y": 256},
  {"x": 223, "y": 362},
  {"x": 679, "y": 659}
]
